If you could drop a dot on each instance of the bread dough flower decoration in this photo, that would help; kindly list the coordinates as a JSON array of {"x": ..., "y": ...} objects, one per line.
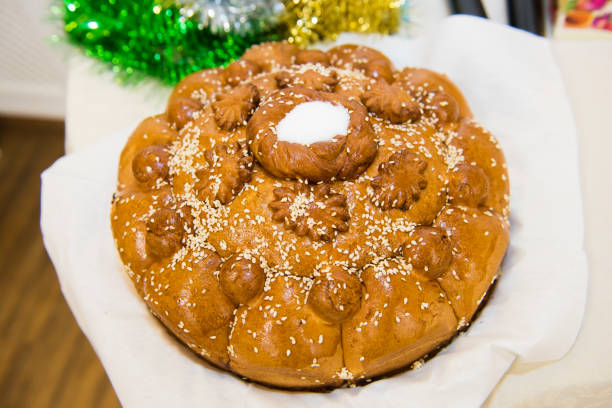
[
  {"x": 400, "y": 181},
  {"x": 235, "y": 108},
  {"x": 315, "y": 78},
  {"x": 371, "y": 62},
  {"x": 229, "y": 168},
  {"x": 391, "y": 102},
  {"x": 315, "y": 211}
]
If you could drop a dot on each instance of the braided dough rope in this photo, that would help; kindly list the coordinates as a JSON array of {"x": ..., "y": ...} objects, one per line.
[{"x": 312, "y": 267}]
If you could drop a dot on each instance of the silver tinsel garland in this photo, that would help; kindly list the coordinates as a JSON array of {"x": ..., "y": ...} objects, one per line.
[{"x": 238, "y": 16}]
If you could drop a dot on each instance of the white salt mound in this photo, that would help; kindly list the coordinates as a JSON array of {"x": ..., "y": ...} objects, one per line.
[{"x": 312, "y": 122}]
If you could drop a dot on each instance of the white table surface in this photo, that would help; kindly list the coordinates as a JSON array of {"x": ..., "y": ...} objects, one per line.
[
  {"x": 583, "y": 378},
  {"x": 98, "y": 107}
]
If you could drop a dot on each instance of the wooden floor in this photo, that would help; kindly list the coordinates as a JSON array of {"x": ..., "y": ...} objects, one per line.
[{"x": 45, "y": 361}]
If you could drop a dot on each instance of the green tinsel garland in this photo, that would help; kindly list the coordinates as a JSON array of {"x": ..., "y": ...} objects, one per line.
[{"x": 150, "y": 37}]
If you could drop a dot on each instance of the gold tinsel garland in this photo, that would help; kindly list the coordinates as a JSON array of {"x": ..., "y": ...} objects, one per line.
[{"x": 308, "y": 21}]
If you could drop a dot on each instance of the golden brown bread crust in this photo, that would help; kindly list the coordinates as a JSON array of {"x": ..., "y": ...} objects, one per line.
[{"x": 311, "y": 267}]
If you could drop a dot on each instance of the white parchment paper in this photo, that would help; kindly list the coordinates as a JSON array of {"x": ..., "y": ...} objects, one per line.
[{"x": 515, "y": 89}]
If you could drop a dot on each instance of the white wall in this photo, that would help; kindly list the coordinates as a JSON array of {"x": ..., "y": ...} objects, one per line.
[{"x": 32, "y": 70}]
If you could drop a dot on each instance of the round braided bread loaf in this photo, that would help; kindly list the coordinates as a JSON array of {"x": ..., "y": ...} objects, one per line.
[{"x": 312, "y": 266}]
